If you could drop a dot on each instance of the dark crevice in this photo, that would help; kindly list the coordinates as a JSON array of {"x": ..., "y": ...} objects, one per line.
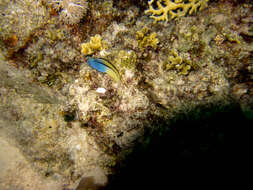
[{"x": 191, "y": 146}]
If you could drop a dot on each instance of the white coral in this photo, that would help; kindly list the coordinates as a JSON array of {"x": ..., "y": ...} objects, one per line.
[{"x": 71, "y": 11}]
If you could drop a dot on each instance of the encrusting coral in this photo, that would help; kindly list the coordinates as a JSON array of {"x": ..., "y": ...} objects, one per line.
[
  {"x": 145, "y": 39},
  {"x": 95, "y": 44},
  {"x": 177, "y": 8},
  {"x": 182, "y": 65}
]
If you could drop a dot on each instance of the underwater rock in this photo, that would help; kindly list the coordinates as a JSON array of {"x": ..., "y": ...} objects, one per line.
[
  {"x": 69, "y": 125},
  {"x": 19, "y": 21}
]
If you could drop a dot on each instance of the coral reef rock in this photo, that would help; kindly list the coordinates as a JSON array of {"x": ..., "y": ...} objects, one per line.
[{"x": 66, "y": 126}]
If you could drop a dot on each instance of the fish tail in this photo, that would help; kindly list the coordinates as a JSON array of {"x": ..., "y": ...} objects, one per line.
[{"x": 114, "y": 75}]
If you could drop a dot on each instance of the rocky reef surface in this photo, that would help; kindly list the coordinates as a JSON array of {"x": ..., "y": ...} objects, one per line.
[{"x": 64, "y": 125}]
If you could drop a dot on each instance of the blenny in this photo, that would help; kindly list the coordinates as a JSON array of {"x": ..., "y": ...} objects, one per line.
[{"x": 104, "y": 66}]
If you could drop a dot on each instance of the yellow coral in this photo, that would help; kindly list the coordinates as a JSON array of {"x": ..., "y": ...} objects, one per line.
[
  {"x": 95, "y": 44},
  {"x": 145, "y": 39},
  {"x": 182, "y": 65},
  {"x": 176, "y": 8}
]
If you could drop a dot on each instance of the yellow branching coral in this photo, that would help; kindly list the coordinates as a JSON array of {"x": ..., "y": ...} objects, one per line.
[
  {"x": 182, "y": 65},
  {"x": 146, "y": 39},
  {"x": 95, "y": 44},
  {"x": 175, "y": 8}
]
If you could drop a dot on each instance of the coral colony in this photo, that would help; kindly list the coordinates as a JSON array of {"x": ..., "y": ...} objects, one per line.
[{"x": 175, "y": 9}]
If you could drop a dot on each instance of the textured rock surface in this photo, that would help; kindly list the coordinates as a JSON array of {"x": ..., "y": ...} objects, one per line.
[
  {"x": 45, "y": 151},
  {"x": 56, "y": 125},
  {"x": 16, "y": 171}
]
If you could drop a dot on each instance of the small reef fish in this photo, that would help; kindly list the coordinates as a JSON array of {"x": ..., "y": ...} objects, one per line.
[{"x": 104, "y": 66}]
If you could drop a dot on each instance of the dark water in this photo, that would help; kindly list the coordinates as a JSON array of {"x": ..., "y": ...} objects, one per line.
[{"x": 197, "y": 148}]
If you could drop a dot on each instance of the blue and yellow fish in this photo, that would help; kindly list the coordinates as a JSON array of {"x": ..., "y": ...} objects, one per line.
[{"x": 104, "y": 66}]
